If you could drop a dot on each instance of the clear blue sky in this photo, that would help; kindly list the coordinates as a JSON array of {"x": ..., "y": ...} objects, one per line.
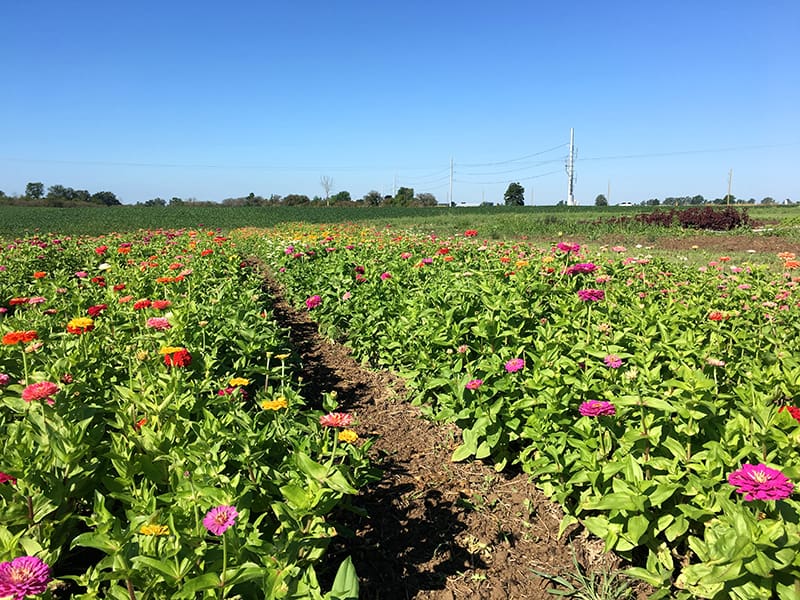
[{"x": 219, "y": 99}]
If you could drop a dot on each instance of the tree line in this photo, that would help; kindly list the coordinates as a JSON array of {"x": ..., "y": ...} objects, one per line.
[{"x": 60, "y": 196}]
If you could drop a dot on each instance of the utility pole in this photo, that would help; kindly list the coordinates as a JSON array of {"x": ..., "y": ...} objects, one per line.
[
  {"x": 730, "y": 180},
  {"x": 451, "y": 181},
  {"x": 571, "y": 168}
]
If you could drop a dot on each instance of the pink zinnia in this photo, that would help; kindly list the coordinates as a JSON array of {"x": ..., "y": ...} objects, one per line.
[
  {"x": 159, "y": 323},
  {"x": 581, "y": 268},
  {"x": 219, "y": 519},
  {"x": 6, "y": 478},
  {"x": 474, "y": 384},
  {"x": 595, "y": 408},
  {"x": 591, "y": 295},
  {"x": 40, "y": 391},
  {"x": 313, "y": 302},
  {"x": 613, "y": 361},
  {"x": 759, "y": 482},
  {"x": 336, "y": 419},
  {"x": 4, "y": 379},
  {"x": 567, "y": 247},
  {"x": 23, "y": 576},
  {"x": 515, "y": 364},
  {"x": 386, "y": 275}
]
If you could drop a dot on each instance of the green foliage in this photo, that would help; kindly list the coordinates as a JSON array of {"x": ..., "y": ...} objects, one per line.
[
  {"x": 133, "y": 452},
  {"x": 706, "y": 358}
]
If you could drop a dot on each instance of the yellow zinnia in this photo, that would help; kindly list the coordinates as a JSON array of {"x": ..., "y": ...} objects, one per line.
[
  {"x": 239, "y": 381},
  {"x": 348, "y": 436},
  {"x": 154, "y": 529},
  {"x": 276, "y": 404},
  {"x": 170, "y": 349}
]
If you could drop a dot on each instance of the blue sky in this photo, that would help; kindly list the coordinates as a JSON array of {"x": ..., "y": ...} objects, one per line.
[{"x": 212, "y": 100}]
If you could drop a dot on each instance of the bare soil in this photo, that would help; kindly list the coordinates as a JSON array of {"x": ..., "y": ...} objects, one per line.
[{"x": 440, "y": 530}]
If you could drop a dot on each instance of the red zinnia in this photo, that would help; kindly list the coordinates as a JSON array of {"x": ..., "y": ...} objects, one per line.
[
  {"x": 161, "y": 304},
  {"x": 40, "y": 391},
  {"x": 336, "y": 419},
  {"x": 15, "y": 337},
  {"x": 179, "y": 358},
  {"x": 96, "y": 309},
  {"x": 140, "y": 304}
]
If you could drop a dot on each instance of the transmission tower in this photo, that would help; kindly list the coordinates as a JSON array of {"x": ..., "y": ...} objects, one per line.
[{"x": 571, "y": 169}]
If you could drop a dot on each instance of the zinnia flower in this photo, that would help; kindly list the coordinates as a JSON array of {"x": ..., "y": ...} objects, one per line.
[
  {"x": 515, "y": 364},
  {"x": 23, "y": 576},
  {"x": 239, "y": 381},
  {"x": 591, "y": 295},
  {"x": 44, "y": 390},
  {"x": 759, "y": 482},
  {"x": 4, "y": 379},
  {"x": 178, "y": 357},
  {"x": 792, "y": 410},
  {"x": 471, "y": 233},
  {"x": 158, "y": 323},
  {"x": 313, "y": 302},
  {"x": 613, "y": 361},
  {"x": 154, "y": 529},
  {"x": 717, "y": 315},
  {"x": 6, "y": 478},
  {"x": 96, "y": 309},
  {"x": 336, "y": 419},
  {"x": 595, "y": 408},
  {"x": 161, "y": 304},
  {"x": 348, "y": 436},
  {"x": 15, "y": 337},
  {"x": 141, "y": 304},
  {"x": 80, "y": 325},
  {"x": 219, "y": 519},
  {"x": 581, "y": 268},
  {"x": 567, "y": 247},
  {"x": 276, "y": 404},
  {"x": 474, "y": 384}
]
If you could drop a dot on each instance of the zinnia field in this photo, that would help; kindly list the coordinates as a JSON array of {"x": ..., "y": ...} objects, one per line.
[{"x": 158, "y": 443}]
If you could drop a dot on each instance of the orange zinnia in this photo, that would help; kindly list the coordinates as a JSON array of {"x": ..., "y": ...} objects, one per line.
[{"x": 15, "y": 337}]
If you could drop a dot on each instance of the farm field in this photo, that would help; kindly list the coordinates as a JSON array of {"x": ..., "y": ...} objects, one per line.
[{"x": 644, "y": 381}]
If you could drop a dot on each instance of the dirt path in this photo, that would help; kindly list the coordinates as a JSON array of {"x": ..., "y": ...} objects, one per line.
[{"x": 435, "y": 529}]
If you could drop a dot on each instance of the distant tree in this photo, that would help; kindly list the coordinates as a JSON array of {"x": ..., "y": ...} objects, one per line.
[
  {"x": 426, "y": 199},
  {"x": 768, "y": 200},
  {"x": 107, "y": 198},
  {"x": 34, "y": 190},
  {"x": 326, "y": 183},
  {"x": 601, "y": 200},
  {"x": 343, "y": 196},
  {"x": 81, "y": 195},
  {"x": 515, "y": 195},
  {"x": 155, "y": 202},
  {"x": 295, "y": 199},
  {"x": 487, "y": 203},
  {"x": 59, "y": 193},
  {"x": 404, "y": 196},
  {"x": 176, "y": 201},
  {"x": 372, "y": 198},
  {"x": 698, "y": 199},
  {"x": 729, "y": 199}
]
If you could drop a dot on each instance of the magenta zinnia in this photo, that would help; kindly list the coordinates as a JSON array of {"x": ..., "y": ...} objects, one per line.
[
  {"x": 474, "y": 384},
  {"x": 336, "y": 419},
  {"x": 219, "y": 519},
  {"x": 313, "y": 302},
  {"x": 40, "y": 391},
  {"x": 595, "y": 408},
  {"x": 515, "y": 364},
  {"x": 581, "y": 268},
  {"x": 23, "y": 576},
  {"x": 591, "y": 295},
  {"x": 759, "y": 482},
  {"x": 613, "y": 361}
]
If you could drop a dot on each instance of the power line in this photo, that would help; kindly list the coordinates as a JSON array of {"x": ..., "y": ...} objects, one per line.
[
  {"x": 682, "y": 152},
  {"x": 510, "y": 160},
  {"x": 506, "y": 180}
]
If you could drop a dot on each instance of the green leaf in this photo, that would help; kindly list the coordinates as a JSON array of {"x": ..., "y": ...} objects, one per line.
[
  {"x": 653, "y": 579},
  {"x": 207, "y": 581},
  {"x": 166, "y": 568},
  {"x": 463, "y": 452},
  {"x": 345, "y": 584}
]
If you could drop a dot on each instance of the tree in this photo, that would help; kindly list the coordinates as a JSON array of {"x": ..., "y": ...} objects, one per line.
[
  {"x": 515, "y": 195},
  {"x": 404, "y": 196},
  {"x": 294, "y": 199},
  {"x": 426, "y": 199},
  {"x": 343, "y": 196},
  {"x": 158, "y": 201},
  {"x": 601, "y": 200},
  {"x": 34, "y": 190},
  {"x": 768, "y": 200},
  {"x": 372, "y": 198},
  {"x": 107, "y": 198},
  {"x": 326, "y": 183}
]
